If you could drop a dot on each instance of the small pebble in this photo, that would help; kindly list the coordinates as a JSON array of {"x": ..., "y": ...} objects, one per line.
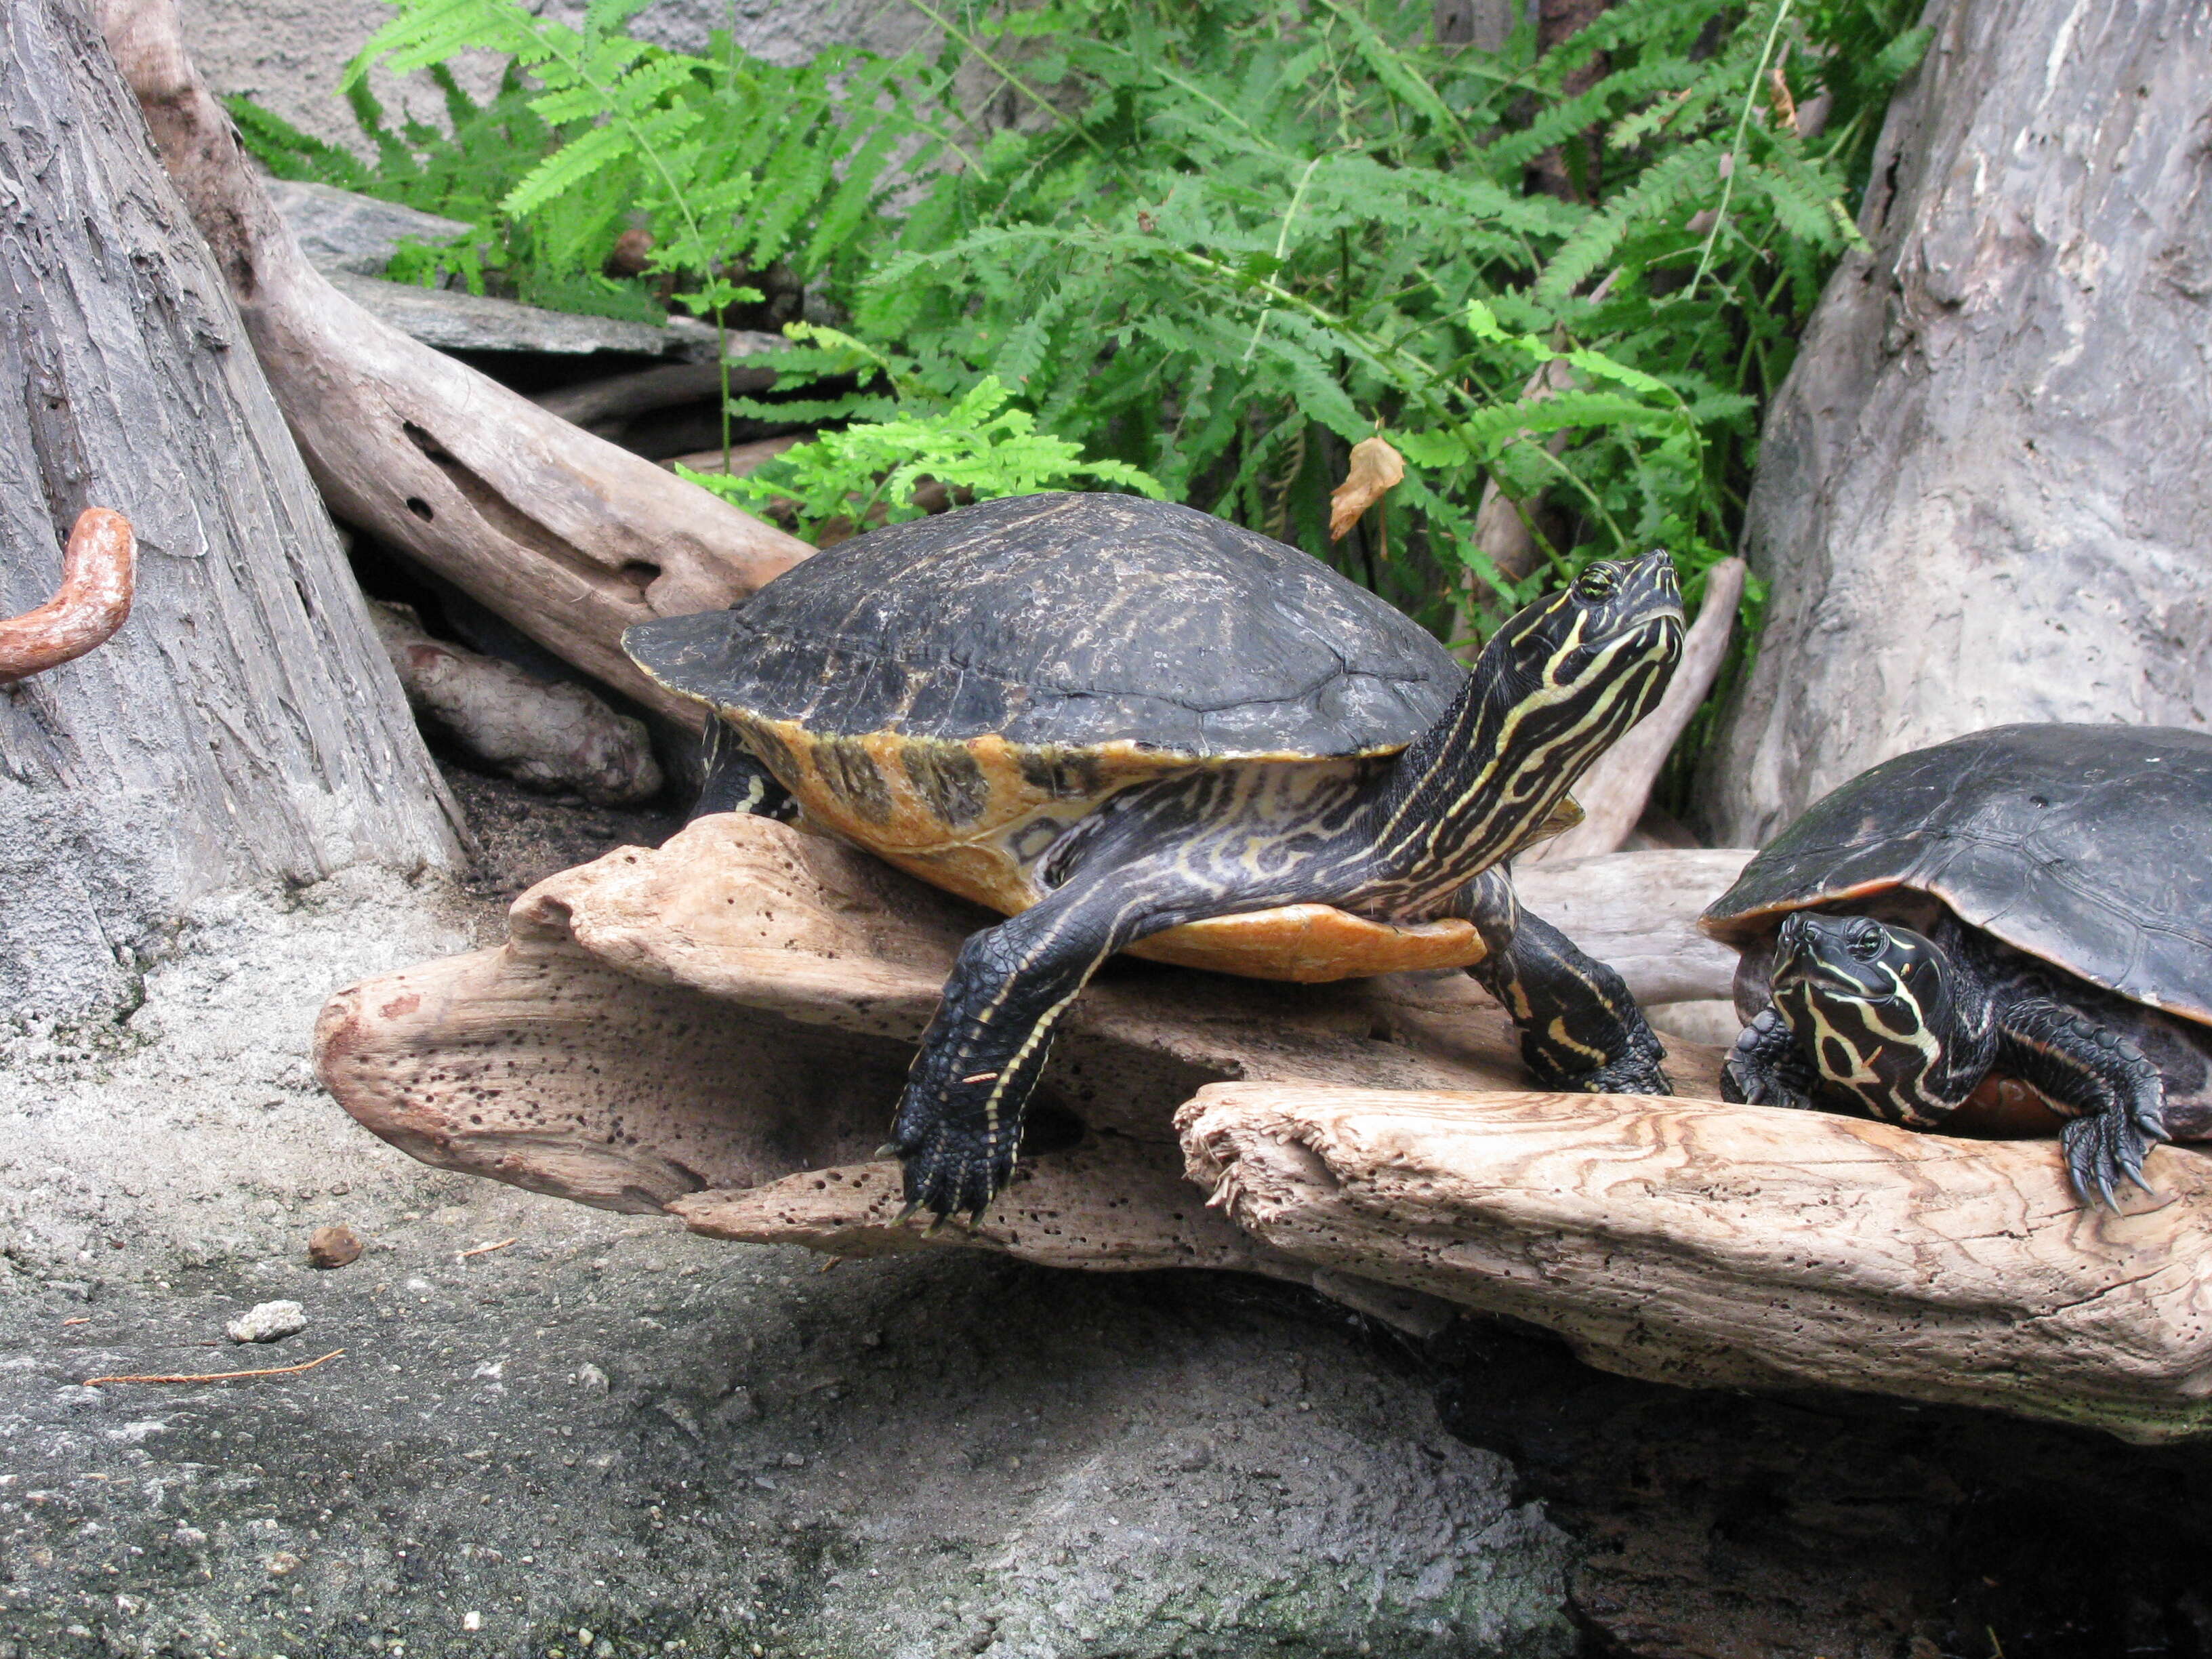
[
  {"x": 268, "y": 1321},
  {"x": 591, "y": 1379},
  {"x": 333, "y": 1247},
  {"x": 739, "y": 1407}
]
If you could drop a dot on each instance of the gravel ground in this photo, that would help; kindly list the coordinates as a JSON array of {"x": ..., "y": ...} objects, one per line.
[{"x": 608, "y": 1427}]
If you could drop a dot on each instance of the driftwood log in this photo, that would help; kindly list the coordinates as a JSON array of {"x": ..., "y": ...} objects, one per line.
[
  {"x": 554, "y": 736},
  {"x": 1978, "y": 497},
  {"x": 245, "y": 726},
  {"x": 567, "y": 537},
  {"x": 719, "y": 1029},
  {"x": 1690, "y": 1242}
]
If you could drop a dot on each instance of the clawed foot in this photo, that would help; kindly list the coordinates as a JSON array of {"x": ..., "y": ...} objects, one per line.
[
  {"x": 1632, "y": 1074},
  {"x": 1756, "y": 1085},
  {"x": 2106, "y": 1148},
  {"x": 1635, "y": 1071},
  {"x": 949, "y": 1171},
  {"x": 1764, "y": 1067}
]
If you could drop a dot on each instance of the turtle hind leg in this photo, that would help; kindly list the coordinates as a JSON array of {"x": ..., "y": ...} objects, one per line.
[
  {"x": 736, "y": 780},
  {"x": 1580, "y": 1029}
]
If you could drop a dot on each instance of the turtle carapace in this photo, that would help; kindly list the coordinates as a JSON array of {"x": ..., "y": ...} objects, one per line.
[
  {"x": 2009, "y": 931},
  {"x": 1130, "y": 724}
]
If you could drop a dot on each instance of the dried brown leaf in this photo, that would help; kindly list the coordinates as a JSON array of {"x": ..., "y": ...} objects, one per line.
[{"x": 1376, "y": 467}]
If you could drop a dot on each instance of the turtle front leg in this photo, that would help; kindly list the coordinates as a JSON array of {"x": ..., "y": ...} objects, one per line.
[
  {"x": 1767, "y": 1066},
  {"x": 959, "y": 1123},
  {"x": 2116, "y": 1094},
  {"x": 1580, "y": 1029}
]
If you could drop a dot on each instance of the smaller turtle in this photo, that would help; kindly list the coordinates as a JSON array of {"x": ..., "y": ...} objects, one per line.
[{"x": 2005, "y": 933}]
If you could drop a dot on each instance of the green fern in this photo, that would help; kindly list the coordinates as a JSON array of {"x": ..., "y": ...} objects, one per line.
[
  {"x": 1235, "y": 237},
  {"x": 866, "y": 474}
]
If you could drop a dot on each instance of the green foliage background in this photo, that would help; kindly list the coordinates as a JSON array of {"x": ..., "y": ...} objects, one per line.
[{"x": 1227, "y": 239}]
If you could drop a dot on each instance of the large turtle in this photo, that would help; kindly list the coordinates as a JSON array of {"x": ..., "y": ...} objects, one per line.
[
  {"x": 1125, "y": 723},
  {"x": 1995, "y": 933}
]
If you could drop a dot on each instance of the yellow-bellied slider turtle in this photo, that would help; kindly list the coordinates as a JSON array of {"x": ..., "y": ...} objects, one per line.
[
  {"x": 2011, "y": 925},
  {"x": 1119, "y": 721}
]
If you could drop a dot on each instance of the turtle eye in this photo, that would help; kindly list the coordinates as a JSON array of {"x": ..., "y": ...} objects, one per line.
[
  {"x": 1866, "y": 943},
  {"x": 1597, "y": 582}
]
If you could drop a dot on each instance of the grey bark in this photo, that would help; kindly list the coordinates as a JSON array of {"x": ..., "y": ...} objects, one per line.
[
  {"x": 1982, "y": 494},
  {"x": 244, "y": 724}
]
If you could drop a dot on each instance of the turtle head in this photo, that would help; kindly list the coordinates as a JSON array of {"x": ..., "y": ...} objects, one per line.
[
  {"x": 1600, "y": 650},
  {"x": 1553, "y": 689},
  {"x": 1875, "y": 1009}
]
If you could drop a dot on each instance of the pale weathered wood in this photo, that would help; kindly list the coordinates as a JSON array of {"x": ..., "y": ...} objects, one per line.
[
  {"x": 740, "y": 1006},
  {"x": 243, "y": 727},
  {"x": 1690, "y": 1242},
  {"x": 1613, "y": 793},
  {"x": 1111, "y": 1205},
  {"x": 567, "y": 537},
  {"x": 1982, "y": 495},
  {"x": 554, "y": 736}
]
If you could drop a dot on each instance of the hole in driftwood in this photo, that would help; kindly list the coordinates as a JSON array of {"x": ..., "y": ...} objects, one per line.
[
  {"x": 640, "y": 573},
  {"x": 420, "y": 508}
]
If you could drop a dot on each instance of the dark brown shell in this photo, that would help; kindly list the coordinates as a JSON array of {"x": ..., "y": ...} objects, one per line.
[
  {"x": 1061, "y": 622},
  {"x": 2087, "y": 846}
]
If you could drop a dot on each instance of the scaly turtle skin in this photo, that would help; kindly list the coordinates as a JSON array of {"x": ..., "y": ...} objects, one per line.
[
  {"x": 1996, "y": 933},
  {"x": 1130, "y": 724}
]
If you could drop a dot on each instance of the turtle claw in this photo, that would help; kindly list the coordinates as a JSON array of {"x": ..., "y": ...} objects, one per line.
[
  {"x": 907, "y": 1214},
  {"x": 2103, "y": 1149},
  {"x": 889, "y": 1149},
  {"x": 952, "y": 1172}
]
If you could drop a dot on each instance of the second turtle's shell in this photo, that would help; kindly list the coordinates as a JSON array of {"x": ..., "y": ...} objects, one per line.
[
  {"x": 955, "y": 692},
  {"x": 2087, "y": 846}
]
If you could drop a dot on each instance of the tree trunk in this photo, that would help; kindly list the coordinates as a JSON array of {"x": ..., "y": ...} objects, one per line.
[
  {"x": 1982, "y": 495},
  {"x": 244, "y": 724}
]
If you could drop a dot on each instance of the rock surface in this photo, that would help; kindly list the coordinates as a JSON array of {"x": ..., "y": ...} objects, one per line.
[
  {"x": 343, "y": 230},
  {"x": 267, "y": 1322},
  {"x": 453, "y": 320},
  {"x": 1980, "y": 495}
]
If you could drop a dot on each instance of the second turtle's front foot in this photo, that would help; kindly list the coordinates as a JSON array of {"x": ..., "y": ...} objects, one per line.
[
  {"x": 1764, "y": 1067},
  {"x": 949, "y": 1169},
  {"x": 2106, "y": 1149}
]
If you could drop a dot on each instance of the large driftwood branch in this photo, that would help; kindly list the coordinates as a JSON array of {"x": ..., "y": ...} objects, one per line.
[
  {"x": 717, "y": 1030},
  {"x": 100, "y": 572},
  {"x": 567, "y": 537},
  {"x": 1690, "y": 1242},
  {"x": 720, "y": 1027},
  {"x": 1613, "y": 793}
]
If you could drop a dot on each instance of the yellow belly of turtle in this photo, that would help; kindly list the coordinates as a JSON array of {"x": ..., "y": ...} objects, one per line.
[{"x": 887, "y": 794}]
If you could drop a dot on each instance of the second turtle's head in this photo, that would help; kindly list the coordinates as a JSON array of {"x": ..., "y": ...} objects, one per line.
[
  {"x": 1591, "y": 660},
  {"x": 1872, "y": 1006}
]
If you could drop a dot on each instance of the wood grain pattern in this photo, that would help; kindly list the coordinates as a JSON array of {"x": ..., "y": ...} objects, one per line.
[{"x": 1691, "y": 1242}]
